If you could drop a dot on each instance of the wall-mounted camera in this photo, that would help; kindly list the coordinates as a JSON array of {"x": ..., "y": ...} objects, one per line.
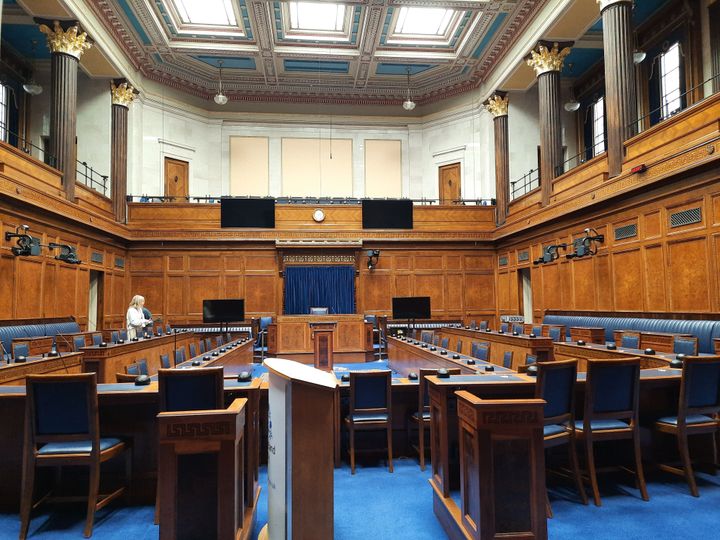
[
  {"x": 550, "y": 253},
  {"x": 586, "y": 245},
  {"x": 373, "y": 256},
  {"x": 67, "y": 253},
  {"x": 26, "y": 245}
]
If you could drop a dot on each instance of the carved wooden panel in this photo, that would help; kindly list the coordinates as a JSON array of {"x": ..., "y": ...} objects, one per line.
[
  {"x": 628, "y": 280},
  {"x": 690, "y": 283},
  {"x": 583, "y": 279},
  {"x": 203, "y": 262},
  {"x": 175, "y": 304},
  {"x": 199, "y": 288},
  {"x": 655, "y": 299}
]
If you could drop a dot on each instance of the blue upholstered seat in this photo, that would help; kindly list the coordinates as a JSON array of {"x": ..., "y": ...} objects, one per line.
[
  {"x": 132, "y": 369},
  {"x": 168, "y": 330},
  {"x": 164, "y": 361},
  {"x": 517, "y": 327},
  {"x": 76, "y": 447},
  {"x": 553, "y": 429},
  {"x": 179, "y": 355},
  {"x": 602, "y": 424},
  {"x": 202, "y": 346},
  {"x": 686, "y": 346},
  {"x": 218, "y": 341},
  {"x": 444, "y": 342},
  {"x": 368, "y": 417},
  {"x": 193, "y": 352},
  {"x": 458, "y": 348},
  {"x": 692, "y": 419},
  {"x": 554, "y": 334},
  {"x": 78, "y": 342},
  {"x": 530, "y": 359},
  {"x": 630, "y": 342},
  {"x": 97, "y": 339},
  {"x": 114, "y": 336},
  {"x": 123, "y": 334},
  {"x": 480, "y": 351},
  {"x": 426, "y": 336},
  {"x": 504, "y": 327},
  {"x": 21, "y": 349},
  {"x": 142, "y": 366},
  {"x": 8, "y": 333},
  {"x": 537, "y": 330},
  {"x": 507, "y": 359},
  {"x": 483, "y": 325}
]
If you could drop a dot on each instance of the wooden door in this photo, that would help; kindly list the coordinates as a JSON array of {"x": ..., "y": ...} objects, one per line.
[
  {"x": 449, "y": 183},
  {"x": 176, "y": 178}
]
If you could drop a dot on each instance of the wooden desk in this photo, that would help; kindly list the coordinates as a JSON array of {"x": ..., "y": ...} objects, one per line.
[
  {"x": 15, "y": 372},
  {"x": 589, "y": 334},
  {"x": 520, "y": 345},
  {"x": 659, "y": 341},
  {"x": 716, "y": 345},
  {"x": 107, "y": 361},
  {"x": 527, "y": 328},
  {"x": 290, "y": 337},
  {"x": 36, "y": 345},
  {"x": 238, "y": 355},
  {"x": 566, "y": 351},
  {"x": 65, "y": 342},
  {"x": 404, "y": 357}
]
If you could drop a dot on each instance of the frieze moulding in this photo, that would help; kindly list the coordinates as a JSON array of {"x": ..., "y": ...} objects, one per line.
[
  {"x": 319, "y": 259},
  {"x": 70, "y": 41}
]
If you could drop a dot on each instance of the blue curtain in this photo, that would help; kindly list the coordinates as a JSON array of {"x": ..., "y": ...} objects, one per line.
[{"x": 319, "y": 286}]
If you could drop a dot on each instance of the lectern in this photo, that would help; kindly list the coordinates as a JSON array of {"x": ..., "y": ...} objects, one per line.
[
  {"x": 502, "y": 464},
  {"x": 322, "y": 336},
  {"x": 300, "y": 452}
]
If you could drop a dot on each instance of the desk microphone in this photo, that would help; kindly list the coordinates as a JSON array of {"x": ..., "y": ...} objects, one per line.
[{"x": 54, "y": 351}]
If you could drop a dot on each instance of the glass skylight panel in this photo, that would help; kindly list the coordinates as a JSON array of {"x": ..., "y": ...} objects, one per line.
[
  {"x": 423, "y": 21},
  {"x": 317, "y": 16},
  {"x": 210, "y": 12}
]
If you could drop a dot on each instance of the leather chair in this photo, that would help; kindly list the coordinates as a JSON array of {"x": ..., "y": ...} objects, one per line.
[
  {"x": 78, "y": 343},
  {"x": 556, "y": 385},
  {"x": 685, "y": 345},
  {"x": 114, "y": 336},
  {"x": 611, "y": 412},
  {"x": 698, "y": 409},
  {"x": 193, "y": 352},
  {"x": 62, "y": 428},
  {"x": 370, "y": 408},
  {"x": 630, "y": 340},
  {"x": 97, "y": 339},
  {"x": 20, "y": 349},
  {"x": 537, "y": 330},
  {"x": 426, "y": 336},
  {"x": 421, "y": 416},
  {"x": 164, "y": 361},
  {"x": 319, "y": 310},
  {"x": 507, "y": 359}
]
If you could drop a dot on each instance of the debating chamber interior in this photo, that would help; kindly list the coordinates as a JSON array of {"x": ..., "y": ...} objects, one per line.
[{"x": 389, "y": 269}]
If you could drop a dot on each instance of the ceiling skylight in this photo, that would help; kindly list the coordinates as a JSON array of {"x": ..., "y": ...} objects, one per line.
[
  {"x": 423, "y": 21},
  {"x": 206, "y": 12},
  {"x": 317, "y": 16}
]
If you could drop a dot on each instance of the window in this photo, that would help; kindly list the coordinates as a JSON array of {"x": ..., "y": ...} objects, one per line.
[
  {"x": 317, "y": 16},
  {"x": 598, "y": 127},
  {"x": 4, "y": 110},
  {"x": 423, "y": 21},
  {"x": 211, "y": 12},
  {"x": 670, "y": 73}
]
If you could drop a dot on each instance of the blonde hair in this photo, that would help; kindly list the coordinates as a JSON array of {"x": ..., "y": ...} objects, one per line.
[{"x": 136, "y": 301}]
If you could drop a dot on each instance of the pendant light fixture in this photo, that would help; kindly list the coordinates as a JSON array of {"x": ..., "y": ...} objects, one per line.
[
  {"x": 572, "y": 104},
  {"x": 408, "y": 104},
  {"x": 31, "y": 87},
  {"x": 220, "y": 98}
]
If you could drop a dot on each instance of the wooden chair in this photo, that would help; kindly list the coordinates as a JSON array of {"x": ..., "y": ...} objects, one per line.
[
  {"x": 78, "y": 342},
  {"x": 481, "y": 352},
  {"x": 421, "y": 417},
  {"x": 697, "y": 414},
  {"x": 62, "y": 428},
  {"x": 165, "y": 361},
  {"x": 133, "y": 369},
  {"x": 97, "y": 339},
  {"x": 507, "y": 359},
  {"x": 20, "y": 349},
  {"x": 445, "y": 342},
  {"x": 554, "y": 334},
  {"x": 124, "y": 377},
  {"x": 611, "y": 413},
  {"x": 687, "y": 345},
  {"x": 370, "y": 408},
  {"x": 114, "y": 336},
  {"x": 459, "y": 347},
  {"x": 179, "y": 355},
  {"x": 630, "y": 340},
  {"x": 142, "y": 366},
  {"x": 556, "y": 385},
  {"x": 517, "y": 327}
]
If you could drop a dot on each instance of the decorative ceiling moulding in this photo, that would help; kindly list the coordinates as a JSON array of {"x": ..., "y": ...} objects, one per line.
[{"x": 141, "y": 31}]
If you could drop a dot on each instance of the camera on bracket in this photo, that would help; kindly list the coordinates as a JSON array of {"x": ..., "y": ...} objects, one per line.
[
  {"x": 26, "y": 245},
  {"x": 67, "y": 253}
]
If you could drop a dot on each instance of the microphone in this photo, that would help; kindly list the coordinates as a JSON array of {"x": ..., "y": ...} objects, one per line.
[{"x": 57, "y": 352}]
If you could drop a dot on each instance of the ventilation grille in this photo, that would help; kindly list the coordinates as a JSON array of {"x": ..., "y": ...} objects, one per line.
[
  {"x": 96, "y": 257},
  {"x": 119, "y": 262},
  {"x": 686, "y": 217},
  {"x": 626, "y": 231},
  {"x": 524, "y": 256},
  {"x": 503, "y": 261}
]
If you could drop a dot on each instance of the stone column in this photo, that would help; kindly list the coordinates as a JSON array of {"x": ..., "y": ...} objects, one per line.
[
  {"x": 122, "y": 96},
  {"x": 66, "y": 44},
  {"x": 547, "y": 61},
  {"x": 620, "y": 91},
  {"x": 497, "y": 105}
]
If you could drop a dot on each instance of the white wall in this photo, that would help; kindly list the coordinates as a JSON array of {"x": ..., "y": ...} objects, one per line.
[{"x": 93, "y": 123}]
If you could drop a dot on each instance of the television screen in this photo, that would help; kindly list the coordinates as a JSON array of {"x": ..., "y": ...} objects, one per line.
[
  {"x": 259, "y": 213},
  {"x": 223, "y": 311},
  {"x": 411, "y": 307},
  {"x": 387, "y": 214}
]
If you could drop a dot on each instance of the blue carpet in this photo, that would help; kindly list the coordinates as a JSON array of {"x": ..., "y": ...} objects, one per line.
[{"x": 374, "y": 504}]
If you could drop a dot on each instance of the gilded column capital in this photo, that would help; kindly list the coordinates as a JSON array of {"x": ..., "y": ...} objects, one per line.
[
  {"x": 545, "y": 58},
  {"x": 497, "y": 105},
  {"x": 68, "y": 41},
  {"x": 123, "y": 94},
  {"x": 607, "y": 3}
]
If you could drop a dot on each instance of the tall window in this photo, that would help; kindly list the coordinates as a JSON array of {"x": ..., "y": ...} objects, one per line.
[
  {"x": 4, "y": 110},
  {"x": 598, "y": 127},
  {"x": 670, "y": 74}
]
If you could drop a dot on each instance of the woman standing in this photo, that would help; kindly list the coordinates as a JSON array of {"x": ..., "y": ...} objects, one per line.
[{"x": 135, "y": 319}]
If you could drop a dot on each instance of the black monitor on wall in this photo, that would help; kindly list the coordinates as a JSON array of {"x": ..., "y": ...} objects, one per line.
[
  {"x": 387, "y": 214},
  {"x": 411, "y": 307},
  {"x": 223, "y": 311},
  {"x": 257, "y": 213}
]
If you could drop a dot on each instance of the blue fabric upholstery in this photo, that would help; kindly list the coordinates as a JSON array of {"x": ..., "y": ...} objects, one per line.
[
  {"x": 483, "y": 325},
  {"x": 630, "y": 342},
  {"x": 553, "y": 429},
  {"x": 114, "y": 336},
  {"x": 371, "y": 392},
  {"x": 76, "y": 447},
  {"x": 426, "y": 336},
  {"x": 202, "y": 346},
  {"x": 703, "y": 387},
  {"x": 600, "y": 425},
  {"x": 208, "y": 347},
  {"x": 554, "y": 334},
  {"x": 61, "y": 408},
  {"x": 558, "y": 390},
  {"x": 530, "y": 359},
  {"x": 123, "y": 334},
  {"x": 191, "y": 393},
  {"x": 193, "y": 352},
  {"x": 142, "y": 366},
  {"x": 537, "y": 330},
  {"x": 692, "y": 419},
  {"x": 179, "y": 356},
  {"x": 472, "y": 323},
  {"x": 445, "y": 342},
  {"x": 459, "y": 346},
  {"x": 517, "y": 327},
  {"x": 614, "y": 387},
  {"x": 367, "y": 417},
  {"x": 97, "y": 339},
  {"x": 78, "y": 342},
  {"x": 164, "y": 361},
  {"x": 504, "y": 327},
  {"x": 168, "y": 330},
  {"x": 480, "y": 352},
  {"x": 705, "y": 331},
  {"x": 8, "y": 333},
  {"x": 21, "y": 349},
  {"x": 507, "y": 359},
  {"x": 685, "y": 346},
  {"x": 133, "y": 369},
  {"x": 218, "y": 341}
]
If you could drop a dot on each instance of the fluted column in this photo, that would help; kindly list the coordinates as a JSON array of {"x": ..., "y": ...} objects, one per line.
[
  {"x": 497, "y": 105},
  {"x": 547, "y": 61},
  {"x": 66, "y": 44},
  {"x": 620, "y": 91},
  {"x": 122, "y": 96}
]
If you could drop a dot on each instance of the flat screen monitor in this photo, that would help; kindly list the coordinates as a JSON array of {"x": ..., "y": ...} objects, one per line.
[
  {"x": 387, "y": 214},
  {"x": 223, "y": 311},
  {"x": 256, "y": 213},
  {"x": 411, "y": 307}
]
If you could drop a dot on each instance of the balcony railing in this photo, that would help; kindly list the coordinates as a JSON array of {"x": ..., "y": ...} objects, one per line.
[
  {"x": 525, "y": 184},
  {"x": 23, "y": 144},
  {"x": 581, "y": 157},
  {"x": 91, "y": 178},
  {"x": 302, "y": 200}
]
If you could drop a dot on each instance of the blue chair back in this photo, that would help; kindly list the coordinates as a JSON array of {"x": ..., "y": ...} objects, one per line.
[
  {"x": 371, "y": 319},
  {"x": 142, "y": 366},
  {"x": 700, "y": 388},
  {"x": 78, "y": 342},
  {"x": 556, "y": 385},
  {"x": 507, "y": 359},
  {"x": 686, "y": 346},
  {"x": 228, "y": 337},
  {"x": 123, "y": 334},
  {"x": 218, "y": 341},
  {"x": 612, "y": 388},
  {"x": 537, "y": 330},
  {"x": 164, "y": 361},
  {"x": 504, "y": 327},
  {"x": 436, "y": 340},
  {"x": 132, "y": 369},
  {"x": 159, "y": 331},
  {"x": 208, "y": 344},
  {"x": 97, "y": 339},
  {"x": 264, "y": 322},
  {"x": 517, "y": 328},
  {"x": 202, "y": 346},
  {"x": 370, "y": 389},
  {"x": 21, "y": 349},
  {"x": 62, "y": 407},
  {"x": 426, "y": 336},
  {"x": 444, "y": 342},
  {"x": 530, "y": 359},
  {"x": 459, "y": 346},
  {"x": 630, "y": 342},
  {"x": 193, "y": 351},
  {"x": 179, "y": 355},
  {"x": 481, "y": 353},
  {"x": 554, "y": 334},
  {"x": 483, "y": 325},
  {"x": 114, "y": 336},
  {"x": 168, "y": 330},
  {"x": 475, "y": 345},
  {"x": 191, "y": 390},
  {"x": 472, "y": 323}
]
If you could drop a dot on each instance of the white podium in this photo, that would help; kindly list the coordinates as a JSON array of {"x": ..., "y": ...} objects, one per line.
[{"x": 300, "y": 451}]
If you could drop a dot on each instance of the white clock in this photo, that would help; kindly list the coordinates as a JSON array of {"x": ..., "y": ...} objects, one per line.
[{"x": 319, "y": 215}]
